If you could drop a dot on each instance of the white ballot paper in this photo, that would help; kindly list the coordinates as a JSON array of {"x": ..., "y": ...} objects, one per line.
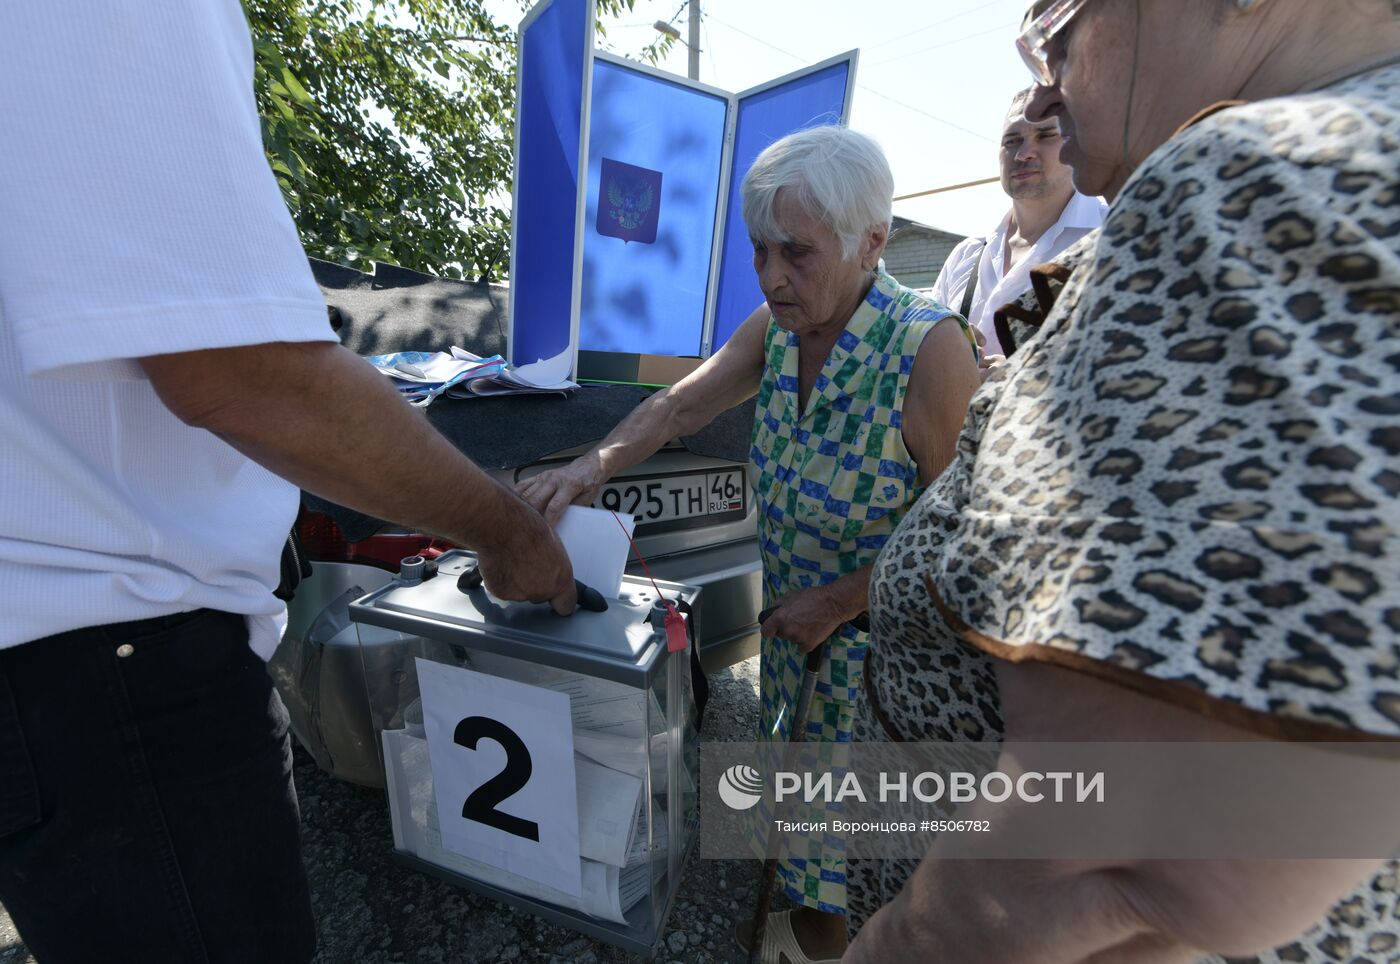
[
  {"x": 597, "y": 546},
  {"x": 596, "y": 704},
  {"x": 626, "y": 754},
  {"x": 649, "y": 817},
  {"x": 503, "y": 773},
  {"x": 612, "y": 708},
  {"x": 609, "y": 718},
  {"x": 608, "y": 890},
  {"x": 608, "y": 806}
]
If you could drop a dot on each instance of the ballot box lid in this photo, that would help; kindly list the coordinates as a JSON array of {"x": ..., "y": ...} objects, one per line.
[{"x": 619, "y": 645}]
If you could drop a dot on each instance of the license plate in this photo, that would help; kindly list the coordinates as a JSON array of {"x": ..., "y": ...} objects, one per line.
[{"x": 675, "y": 496}]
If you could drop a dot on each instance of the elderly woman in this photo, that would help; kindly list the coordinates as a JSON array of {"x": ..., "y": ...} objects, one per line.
[
  {"x": 862, "y": 386},
  {"x": 1174, "y": 512}
]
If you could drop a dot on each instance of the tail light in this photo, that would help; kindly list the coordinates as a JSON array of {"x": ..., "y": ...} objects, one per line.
[{"x": 323, "y": 541}]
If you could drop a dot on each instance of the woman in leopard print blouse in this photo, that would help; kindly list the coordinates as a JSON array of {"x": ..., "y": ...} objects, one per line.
[{"x": 1179, "y": 502}]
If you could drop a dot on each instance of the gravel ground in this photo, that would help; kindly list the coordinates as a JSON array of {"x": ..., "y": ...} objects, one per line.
[{"x": 371, "y": 910}]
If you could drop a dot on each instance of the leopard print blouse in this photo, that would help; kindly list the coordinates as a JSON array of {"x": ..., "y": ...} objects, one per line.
[
  {"x": 1185, "y": 481},
  {"x": 1188, "y": 482}
]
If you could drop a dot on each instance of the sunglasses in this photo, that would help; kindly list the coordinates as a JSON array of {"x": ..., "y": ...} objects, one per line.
[{"x": 1038, "y": 35}]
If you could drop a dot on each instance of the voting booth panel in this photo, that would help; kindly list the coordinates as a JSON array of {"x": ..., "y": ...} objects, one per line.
[
  {"x": 807, "y": 98},
  {"x": 628, "y": 240},
  {"x": 555, "y": 60},
  {"x": 548, "y": 762},
  {"x": 655, "y": 159}
]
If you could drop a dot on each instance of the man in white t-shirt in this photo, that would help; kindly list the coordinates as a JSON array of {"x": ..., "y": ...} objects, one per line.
[
  {"x": 1047, "y": 216},
  {"x": 167, "y": 379}
]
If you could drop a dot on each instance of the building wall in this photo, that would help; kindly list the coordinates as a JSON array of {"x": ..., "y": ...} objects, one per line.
[{"x": 915, "y": 253}]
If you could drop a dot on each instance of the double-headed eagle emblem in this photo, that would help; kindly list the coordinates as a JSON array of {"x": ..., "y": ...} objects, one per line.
[{"x": 630, "y": 202}]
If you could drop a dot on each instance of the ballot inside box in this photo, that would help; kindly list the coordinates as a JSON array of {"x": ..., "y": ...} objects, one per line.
[{"x": 547, "y": 761}]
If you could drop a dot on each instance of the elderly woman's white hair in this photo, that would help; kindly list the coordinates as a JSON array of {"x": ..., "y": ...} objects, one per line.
[{"x": 838, "y": 176}]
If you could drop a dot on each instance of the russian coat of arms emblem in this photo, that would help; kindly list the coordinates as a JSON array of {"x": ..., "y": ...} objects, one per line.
[{"x": 629, "y": 202}]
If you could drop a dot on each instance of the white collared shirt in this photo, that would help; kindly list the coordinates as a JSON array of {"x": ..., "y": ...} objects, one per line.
[
  {"x": 994, "y": 286},
  {"x": 138, "y": 217}
]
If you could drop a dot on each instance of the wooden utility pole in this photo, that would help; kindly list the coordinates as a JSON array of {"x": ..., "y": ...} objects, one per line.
[{"x": 694, "y": 44}]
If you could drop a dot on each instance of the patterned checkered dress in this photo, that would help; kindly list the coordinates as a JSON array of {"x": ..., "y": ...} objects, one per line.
[{"x": 831, "y": 484}]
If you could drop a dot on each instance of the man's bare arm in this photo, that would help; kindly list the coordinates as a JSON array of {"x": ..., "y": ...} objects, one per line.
[{"x": 321, "y": 417}]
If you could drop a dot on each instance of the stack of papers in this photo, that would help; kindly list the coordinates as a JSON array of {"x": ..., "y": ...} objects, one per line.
[
  {"x": 421, "y": 376},
  {"x": 615, "y": 860},
  {"x": 612, "y": 722},
  {"x": 621, "y": 749}
]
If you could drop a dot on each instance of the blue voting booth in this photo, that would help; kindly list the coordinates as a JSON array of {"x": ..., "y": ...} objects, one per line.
[{"x": 628, "y": 240}]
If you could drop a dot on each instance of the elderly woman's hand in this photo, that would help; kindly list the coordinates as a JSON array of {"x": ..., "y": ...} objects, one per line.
[
  {"x": 807, "y": 617},
  {"x": 985, "y": 362},
  {"x": 553, "y": 491}
]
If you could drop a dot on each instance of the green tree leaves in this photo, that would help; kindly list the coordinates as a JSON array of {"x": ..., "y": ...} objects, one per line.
[{"x": 389, "y": 126}]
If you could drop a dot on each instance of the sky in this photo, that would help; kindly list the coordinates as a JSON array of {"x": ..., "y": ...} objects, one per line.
[{"x": 932, "y": 86}]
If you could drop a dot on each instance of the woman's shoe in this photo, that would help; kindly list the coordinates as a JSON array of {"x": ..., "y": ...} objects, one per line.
[{"x": 780, "y": 943}]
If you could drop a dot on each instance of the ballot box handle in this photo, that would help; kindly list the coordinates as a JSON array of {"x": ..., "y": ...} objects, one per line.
[{"x": 588, "y": 598}]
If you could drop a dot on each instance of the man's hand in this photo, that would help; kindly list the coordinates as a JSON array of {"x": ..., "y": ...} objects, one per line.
[
  {"x": 529, "y": 563},
  {"x": 807, "y": 617},
  {"x": 553, "y": 491}
]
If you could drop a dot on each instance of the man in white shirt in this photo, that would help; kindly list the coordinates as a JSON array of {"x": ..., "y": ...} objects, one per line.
[
  {"x": 1047, "y": 216},
  {"x": 167, "y": 379}
]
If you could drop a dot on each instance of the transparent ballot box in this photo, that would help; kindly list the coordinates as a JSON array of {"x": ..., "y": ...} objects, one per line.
[{"x": 546, "y": 761}]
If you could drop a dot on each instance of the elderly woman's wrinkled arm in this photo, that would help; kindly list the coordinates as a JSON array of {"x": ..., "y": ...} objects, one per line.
[
  {"x": 1097, "y": 911},
  {"x": 943, "y": 381},
  {"x": 730, "y": 376}
]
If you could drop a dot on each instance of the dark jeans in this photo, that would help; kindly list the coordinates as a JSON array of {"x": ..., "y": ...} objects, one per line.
[{"x": 147, "y": 811}]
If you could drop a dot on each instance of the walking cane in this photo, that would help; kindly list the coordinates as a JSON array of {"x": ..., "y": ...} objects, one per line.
[{"x": 795, "y": 735}]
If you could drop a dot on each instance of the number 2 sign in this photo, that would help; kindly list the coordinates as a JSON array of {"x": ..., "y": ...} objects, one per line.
[{"x": 502, "y": 756}]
